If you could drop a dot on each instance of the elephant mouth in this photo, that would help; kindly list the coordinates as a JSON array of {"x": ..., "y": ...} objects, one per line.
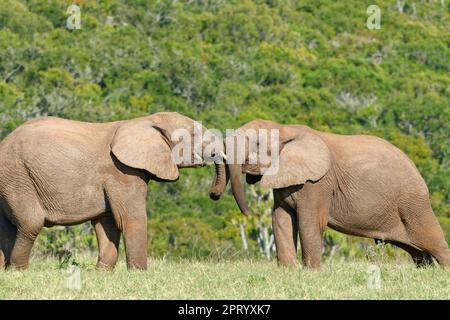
[
  {"x": 195, "y": 165},
  {"x": 200, "y": 165},
  {"x": 196, "y": 161},
  {"x": 198, "y": 157}
]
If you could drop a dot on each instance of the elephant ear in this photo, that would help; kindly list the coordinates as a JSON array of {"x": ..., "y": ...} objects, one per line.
[
  {"x": 304, "y": 158},
  {"x": 140, "y": 145}
]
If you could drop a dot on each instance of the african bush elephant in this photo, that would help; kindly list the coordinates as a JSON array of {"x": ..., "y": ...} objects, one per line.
[
  {"x": 61, "y": 172},
  {"x": 356, "y": 184}
]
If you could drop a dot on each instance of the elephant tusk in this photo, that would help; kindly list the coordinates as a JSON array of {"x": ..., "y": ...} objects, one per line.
[
  {"x": 223, "y": 155},
  {"x": 197, "y": 156}
]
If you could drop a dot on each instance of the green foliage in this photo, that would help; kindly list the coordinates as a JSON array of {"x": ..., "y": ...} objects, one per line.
[
  {"x": 183, "y": 238},
  {"x": 65, "y": 242},
  {"x": 445, "y": 224},
  {"x": 228, "y": 62}
]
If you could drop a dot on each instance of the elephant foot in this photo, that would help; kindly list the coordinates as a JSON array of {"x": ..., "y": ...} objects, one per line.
[
  {"x": 311, "y": 265},
  {"x": 287, "y": 263},
  {"x": 18, "y": 267},
  {"x": 136, "y": 267},
  {"x": 443, "y": 257},
  {"x": 102, "y": 266}
]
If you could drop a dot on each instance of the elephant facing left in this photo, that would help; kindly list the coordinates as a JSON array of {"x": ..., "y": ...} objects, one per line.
[{"x": 55, "y": 171}]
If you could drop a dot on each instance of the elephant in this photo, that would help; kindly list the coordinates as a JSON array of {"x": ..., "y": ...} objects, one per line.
[
  {"x": 359, "y": 185},
  {"x": 55, "y": 171}
]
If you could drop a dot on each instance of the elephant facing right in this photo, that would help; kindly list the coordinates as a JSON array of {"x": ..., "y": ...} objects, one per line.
[{"x": 356, "y": 184}]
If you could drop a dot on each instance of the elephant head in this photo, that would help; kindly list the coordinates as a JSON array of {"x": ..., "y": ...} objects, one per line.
[
  {"x": 164, "y": 142},
  {"x": 277, "y": 155}
]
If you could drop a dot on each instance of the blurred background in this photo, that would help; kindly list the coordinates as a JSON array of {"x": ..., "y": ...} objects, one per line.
[{"x": 224, "y": 63}]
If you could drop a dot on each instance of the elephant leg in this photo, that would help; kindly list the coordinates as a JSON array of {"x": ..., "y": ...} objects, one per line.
[
  {"x": 108, "y": 238},
  {"x": 135, "y": 237},
  {"x": 424, "y": 231},
  {"x": 442, "y": 256},
  {"x": 27, "y": 233},
  {"x": 438, "y": 248},
  {"x": 29, "y": 220},
  {"x": 22, "y": 249},
  {"x": 420, "y": 258},
  {"x": 312, "y": 213},
  {"x": 8, "y": 234},
  {"x": 131, "y": 219},
  {"x": 310, "y": 238},
  {"x": 285, "y": 233},
  {"x": 127, "y": 203},
  {"x": 435, "y": 245}
]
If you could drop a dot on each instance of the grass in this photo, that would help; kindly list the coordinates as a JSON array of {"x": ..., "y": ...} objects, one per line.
[{"x": 185, "y": 279}]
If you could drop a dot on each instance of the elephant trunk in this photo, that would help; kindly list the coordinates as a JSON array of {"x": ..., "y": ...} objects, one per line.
[
  {"x": 220, "y": 181},
  {"x": 235, "y": 171}
]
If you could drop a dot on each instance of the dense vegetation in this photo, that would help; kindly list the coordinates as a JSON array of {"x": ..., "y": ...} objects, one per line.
[{"x": 226, "y": 62}]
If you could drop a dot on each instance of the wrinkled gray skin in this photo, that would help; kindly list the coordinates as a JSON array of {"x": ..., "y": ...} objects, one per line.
[
  {"x": 359, "y": 185},
  {"x": 61, "y": 172}
]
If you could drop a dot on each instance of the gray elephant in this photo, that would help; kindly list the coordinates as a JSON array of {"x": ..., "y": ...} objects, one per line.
[
  {"x": 356, "y": 184},
  {"x": 61, "y": 172}
]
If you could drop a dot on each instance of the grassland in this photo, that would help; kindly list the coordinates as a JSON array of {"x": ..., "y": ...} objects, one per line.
[{"x": 336, "y": 279}]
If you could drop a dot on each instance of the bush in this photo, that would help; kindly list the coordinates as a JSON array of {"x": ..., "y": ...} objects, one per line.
[
  {"x": 445, "y": 224},
  {"x": 183, "y": 238},
  {"x": 66, "y": 242},
  {"x": 225, "y": 63}
]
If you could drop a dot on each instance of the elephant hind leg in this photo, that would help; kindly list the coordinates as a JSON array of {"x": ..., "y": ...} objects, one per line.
[
  {"x": 108, "y": 238},
  {"x": 29, "y": 220},
  {"x": 442, "y": 257},
  {"x": 8, "y": 234},
  {"x": 421, "y": 259},
  {"x": 424, "y": 231}
]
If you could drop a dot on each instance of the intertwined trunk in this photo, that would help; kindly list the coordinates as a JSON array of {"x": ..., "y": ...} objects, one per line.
[
  {"x": 235, "y": 171},
  {"x": 219, "y": 182}
]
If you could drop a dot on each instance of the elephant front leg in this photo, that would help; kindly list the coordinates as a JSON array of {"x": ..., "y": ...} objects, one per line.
[
  {"x": 127, "y": 204},
  {"x": 108, "y": 238},
  {"x": 285, "y": 233},
  {"x": 135, "y": 236},
  {"x": 312, "y": 213},
  {"x": 310, "y": 240},
  {"x": 132, "y": 221}
]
